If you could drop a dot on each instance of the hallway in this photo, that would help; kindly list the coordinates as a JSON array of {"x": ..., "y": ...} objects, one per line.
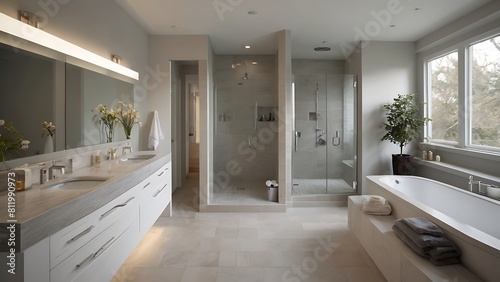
[{"x": 303, "y": 244}]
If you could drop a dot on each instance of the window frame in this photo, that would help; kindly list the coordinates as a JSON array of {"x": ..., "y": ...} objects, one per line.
[{"x": 463, "y": 49}]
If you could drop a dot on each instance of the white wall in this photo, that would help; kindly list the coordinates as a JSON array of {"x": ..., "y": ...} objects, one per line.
[
  {"x": 385, "y": 69},
  {"x": 163, "y": 50}
]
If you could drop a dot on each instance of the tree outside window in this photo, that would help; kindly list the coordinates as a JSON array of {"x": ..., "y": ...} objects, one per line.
[
  {"x": 443, "y": 80},
  {"x": 485, "y": 96}
]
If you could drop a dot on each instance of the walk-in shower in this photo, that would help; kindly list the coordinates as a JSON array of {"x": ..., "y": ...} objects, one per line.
[
  {"x": 324, "y": 129},
  {"x": 245, "y": 138}
]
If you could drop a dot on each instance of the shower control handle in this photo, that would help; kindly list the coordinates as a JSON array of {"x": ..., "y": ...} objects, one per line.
[{"x": 336, "y": 139}]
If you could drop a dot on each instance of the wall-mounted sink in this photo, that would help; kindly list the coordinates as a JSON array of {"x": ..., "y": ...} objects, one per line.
[{"x": 76, "y": 183}]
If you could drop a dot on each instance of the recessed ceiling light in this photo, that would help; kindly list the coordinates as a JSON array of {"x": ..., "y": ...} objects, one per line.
[
  {"x": 322, "y": 49},
  {"x": 392, "y": 25},
  {"x": 247, "y": 46},
  {"x": 252, "y": 12},
  {"x": 254, "y": 62}
]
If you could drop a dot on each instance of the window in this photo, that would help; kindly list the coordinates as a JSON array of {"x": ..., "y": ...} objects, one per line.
[
  {"x": 485, "y": 94},
  {"x": 463, "y": 95},
  {"x": 443, "y": 82}
]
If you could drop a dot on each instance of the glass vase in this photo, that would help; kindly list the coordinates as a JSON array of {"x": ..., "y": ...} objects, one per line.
[
  {"x": 128, "y": 132},
  {"x": 109, "y": 133}
]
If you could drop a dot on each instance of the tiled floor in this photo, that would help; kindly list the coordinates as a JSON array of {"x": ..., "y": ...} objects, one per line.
[{"x": 303, "y": 244}]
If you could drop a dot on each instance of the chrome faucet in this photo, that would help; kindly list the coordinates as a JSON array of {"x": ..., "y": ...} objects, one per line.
[
  {"x": 125, "y": 148},
  {"x": 472, "y": 182},
  {"x": 55, "y": 167}
]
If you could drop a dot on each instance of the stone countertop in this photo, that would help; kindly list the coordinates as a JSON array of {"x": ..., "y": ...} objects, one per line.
[{"x": 41, "y": 212}]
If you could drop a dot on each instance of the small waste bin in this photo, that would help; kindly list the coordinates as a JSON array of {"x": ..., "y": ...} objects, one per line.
[{"x": 272, "y": 194}]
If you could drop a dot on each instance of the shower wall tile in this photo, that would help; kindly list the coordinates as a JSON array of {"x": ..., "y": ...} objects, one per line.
[{"x": 237, "y": 98}]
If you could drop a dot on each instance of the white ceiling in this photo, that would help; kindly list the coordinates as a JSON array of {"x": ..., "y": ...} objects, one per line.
[{"x": 340, "y": 23}]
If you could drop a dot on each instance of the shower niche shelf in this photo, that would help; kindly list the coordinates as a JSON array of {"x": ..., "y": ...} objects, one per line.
[{"x": 266, "y": 114}]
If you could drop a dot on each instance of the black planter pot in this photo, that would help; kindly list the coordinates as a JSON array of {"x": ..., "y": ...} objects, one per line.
[{"x": 402, "y": 164}]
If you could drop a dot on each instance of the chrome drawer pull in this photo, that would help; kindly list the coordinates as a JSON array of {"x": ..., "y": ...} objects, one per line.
[
  {"x": 81, "y": 234},
  {"x": 85, "y": 261},
  {"x": 104, "y": 247},
  {"x": 94, "y": 255},
  {"x": 144, "y": 187},
  {"x": 115, "y": 207},
  {"x": 161, "y": 173},
  {"x": 159, "y": 191}
]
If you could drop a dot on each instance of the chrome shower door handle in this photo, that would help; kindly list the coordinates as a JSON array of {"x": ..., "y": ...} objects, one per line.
[
  {"x": 336, "y": 139},
  {"x": 297, "y": 136}
]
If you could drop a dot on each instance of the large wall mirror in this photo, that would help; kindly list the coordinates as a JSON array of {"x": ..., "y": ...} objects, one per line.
[{"x": 37, "y": 85}]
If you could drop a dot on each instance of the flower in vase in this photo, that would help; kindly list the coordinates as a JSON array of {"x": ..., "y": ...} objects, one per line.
[
  {"x": 128, "y": 117},
  {"x": 48, "y": 128},
  {"x": 10, "y": 140},
  {"x": 108, "y": 118}
]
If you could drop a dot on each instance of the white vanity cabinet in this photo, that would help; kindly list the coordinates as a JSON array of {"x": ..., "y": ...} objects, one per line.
[
  {"x": 156, "y": 195},
  {"x": 73, "y": 237},
  {"x": 94, "y": 247}
]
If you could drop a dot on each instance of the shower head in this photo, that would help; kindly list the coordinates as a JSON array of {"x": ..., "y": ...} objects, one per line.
[{"x": 246, "y": 77}]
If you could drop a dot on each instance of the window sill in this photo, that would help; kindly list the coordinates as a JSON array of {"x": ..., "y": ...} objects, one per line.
[
  {"x": 488, "y": 155},
  {"x": 458, "y": 170}
]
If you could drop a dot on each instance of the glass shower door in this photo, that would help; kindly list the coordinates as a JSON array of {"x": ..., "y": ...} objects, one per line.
[
  {"x": 325, "y": 135},
  {"x": 310, "y": 128}
]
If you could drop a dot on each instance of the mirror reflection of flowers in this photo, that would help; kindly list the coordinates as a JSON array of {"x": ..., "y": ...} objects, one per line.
[
  {"x": 128, "y": 117},
  {"x": 48, "y": 128},
  {"x": 10, "y": 140},
  {"x": 108, "y": 118}
]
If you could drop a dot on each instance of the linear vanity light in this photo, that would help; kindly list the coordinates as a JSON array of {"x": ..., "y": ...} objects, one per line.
[{"x": 17, "y": 28}]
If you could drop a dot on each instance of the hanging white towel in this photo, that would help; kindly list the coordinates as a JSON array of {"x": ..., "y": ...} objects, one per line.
[{"x": 155, "y": 134}]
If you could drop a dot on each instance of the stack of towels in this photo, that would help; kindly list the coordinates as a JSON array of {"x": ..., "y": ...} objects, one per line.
[
  {"x": 271, "y": 183},
  {"x": 376, "y": 205},
  {"x": 427, "y": 240}
]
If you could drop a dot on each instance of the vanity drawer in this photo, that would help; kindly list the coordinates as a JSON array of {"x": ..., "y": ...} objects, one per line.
[
  {"x": 71, "y": 238},
  {"x": 77, "y": 263},
  {"x": 156, "y": 199}
]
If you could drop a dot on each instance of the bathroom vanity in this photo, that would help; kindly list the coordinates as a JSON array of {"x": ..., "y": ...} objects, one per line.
[{"x": 73, "y": 231}]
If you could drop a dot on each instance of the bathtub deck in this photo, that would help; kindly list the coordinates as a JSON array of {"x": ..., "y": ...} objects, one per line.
[{"x": 396, "y": 261}]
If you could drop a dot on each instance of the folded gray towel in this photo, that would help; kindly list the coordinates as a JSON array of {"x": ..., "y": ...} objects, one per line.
[
  {"x": 423, "y": 241},
  {"x": 447, "y": 261},
  {"x": 441, "y": 253},
  {"x": 423, "y": 252},
  {"x": 422, "y": 225}
]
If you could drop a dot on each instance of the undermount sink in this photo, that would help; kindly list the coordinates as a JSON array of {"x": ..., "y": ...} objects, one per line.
[
  {"x": 76, "y": 183},
  {"x": 135, "y": 159}
]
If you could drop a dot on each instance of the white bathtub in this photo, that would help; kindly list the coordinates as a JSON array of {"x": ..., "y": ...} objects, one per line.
[{"x": 471, "y": 221}]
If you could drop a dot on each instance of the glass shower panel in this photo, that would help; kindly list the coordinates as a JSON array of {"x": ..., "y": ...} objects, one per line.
[
  {"x": 341, "y": 134},
  {"x": 310, "y": 148},
  {"x": 324, "y": 130}
]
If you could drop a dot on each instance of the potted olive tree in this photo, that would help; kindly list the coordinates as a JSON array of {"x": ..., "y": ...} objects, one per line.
[{"x": 403, "y": 124}]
